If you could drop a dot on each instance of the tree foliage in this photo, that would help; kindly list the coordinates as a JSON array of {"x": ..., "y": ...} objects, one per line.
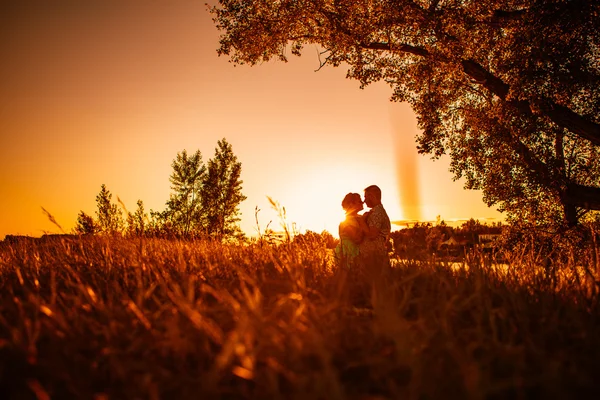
[
  {"x": 183, "y": 207},
  {"x": 137, "y": 222},
  {"x": 510, "y": 90},
  {"x": 109, "y": 215},
  {"x": 85, "y": 224},
  {"x": 222, "y": 193},
  {"x": 205, "y": 199},
  {"x": 204, "y": 202}
]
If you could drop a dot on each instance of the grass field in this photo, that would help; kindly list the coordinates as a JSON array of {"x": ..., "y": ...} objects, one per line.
[{"x": 100, "y": 318}]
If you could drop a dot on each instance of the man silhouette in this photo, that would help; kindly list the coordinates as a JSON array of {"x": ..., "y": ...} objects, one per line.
[{"x": 373, "y": 249}]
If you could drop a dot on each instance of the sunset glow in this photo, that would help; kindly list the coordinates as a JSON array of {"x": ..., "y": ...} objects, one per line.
[{"x": 108, "y": 94}]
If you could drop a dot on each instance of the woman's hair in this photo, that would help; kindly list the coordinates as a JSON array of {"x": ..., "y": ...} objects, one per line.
[{"x": 349, "y": 200}]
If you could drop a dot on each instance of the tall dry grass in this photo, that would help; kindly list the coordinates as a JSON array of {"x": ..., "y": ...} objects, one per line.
[{"x": 123, "y": 319}]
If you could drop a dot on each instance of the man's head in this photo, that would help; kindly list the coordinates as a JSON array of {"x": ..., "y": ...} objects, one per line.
[{"x": 372, "y": 196}]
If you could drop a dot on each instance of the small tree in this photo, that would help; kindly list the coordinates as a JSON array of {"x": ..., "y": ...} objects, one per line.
[
  {"x": 136, "y": 222},
  {"x": 160, "y": 225},
  {"x": 110, "y": 218},
  {"x": 222, "y": 193},
  {"x": 86, "y": 224},
  {"x": 183, "y": 207}
]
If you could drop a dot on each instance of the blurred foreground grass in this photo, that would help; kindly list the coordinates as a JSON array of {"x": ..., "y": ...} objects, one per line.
[{"x": 134, "y": 319}]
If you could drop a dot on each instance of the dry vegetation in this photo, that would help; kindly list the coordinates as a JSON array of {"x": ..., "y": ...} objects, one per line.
[{"x": 125, "y": 319}]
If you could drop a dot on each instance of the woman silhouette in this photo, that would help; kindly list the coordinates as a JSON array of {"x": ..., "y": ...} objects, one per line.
[{"x": 351, "y": 230}]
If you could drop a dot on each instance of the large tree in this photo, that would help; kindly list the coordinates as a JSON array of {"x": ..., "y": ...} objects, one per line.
[
  {"x": 509, "y": 89},
  {"x": 222, "y": 193}
]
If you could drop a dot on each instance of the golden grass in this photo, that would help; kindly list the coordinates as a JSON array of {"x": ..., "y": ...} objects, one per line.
[{"x": 115, "y": 318}]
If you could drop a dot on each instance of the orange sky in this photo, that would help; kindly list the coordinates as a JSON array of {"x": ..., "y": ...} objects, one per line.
[{"x": 108, "y": 92}]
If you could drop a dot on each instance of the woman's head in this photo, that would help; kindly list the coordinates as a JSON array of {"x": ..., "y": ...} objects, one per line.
[{"x": 352, "y": 202}]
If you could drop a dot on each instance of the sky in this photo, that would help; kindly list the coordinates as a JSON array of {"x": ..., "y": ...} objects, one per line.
[{"x": 108, "y": 92}]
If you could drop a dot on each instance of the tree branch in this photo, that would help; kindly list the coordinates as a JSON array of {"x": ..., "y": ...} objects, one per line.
[
  {"x": 587, "y": 197},
  {"x": 560, "y": 115}
]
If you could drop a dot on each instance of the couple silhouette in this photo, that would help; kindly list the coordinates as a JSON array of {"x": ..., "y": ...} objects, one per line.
[{"x": 363, "y": 237}]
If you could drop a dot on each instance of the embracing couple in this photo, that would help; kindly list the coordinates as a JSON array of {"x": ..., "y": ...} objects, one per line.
[{"x": 364, "y": 238}]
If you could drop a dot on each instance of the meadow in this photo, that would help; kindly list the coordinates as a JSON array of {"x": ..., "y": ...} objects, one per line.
[{"x": 114, "y": 318}]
